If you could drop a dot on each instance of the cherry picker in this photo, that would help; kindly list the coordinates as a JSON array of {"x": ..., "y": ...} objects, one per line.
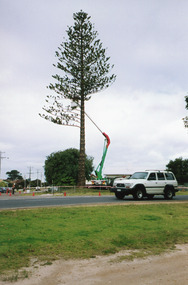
[
  {"x": 99, "y": 179},
  {"x": 98, "y": 172}
]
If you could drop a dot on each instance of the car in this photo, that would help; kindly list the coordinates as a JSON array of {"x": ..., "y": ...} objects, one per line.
[
  {"x": 146, "y": 184},
  {"x": 2, "y": 190}
]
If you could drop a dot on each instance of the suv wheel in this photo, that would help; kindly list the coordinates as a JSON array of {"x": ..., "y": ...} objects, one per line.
[
  {"x": 138, "y": 194},
  {"x": 169, "y": 193},
  {"x": 119, "y": 195}
]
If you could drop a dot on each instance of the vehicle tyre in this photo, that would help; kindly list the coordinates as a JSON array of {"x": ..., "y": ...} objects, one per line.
[
  {"x": 150, "y": 196},
  {"x": 169, "y": 193},
  {"x": 138, "y": 194},
  {"x": 119, "y": 195}
]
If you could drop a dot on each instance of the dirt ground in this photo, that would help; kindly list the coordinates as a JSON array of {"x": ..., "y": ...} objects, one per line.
[{"x": 167, "y": 269}]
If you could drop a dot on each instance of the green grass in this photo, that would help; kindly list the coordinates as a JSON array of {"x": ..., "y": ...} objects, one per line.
[
  {"x": 182, "y": 192},
  {"x": 70, "y": 192},
  {"x": 82, "y": 232},
  {"x": 84, "y": 192}
]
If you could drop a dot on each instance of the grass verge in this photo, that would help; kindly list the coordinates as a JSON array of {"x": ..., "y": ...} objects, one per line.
[
  {"x": 71, "y": 192},
  {"x": 83, "y": 232},
  {"x": 182, "y": 192}
]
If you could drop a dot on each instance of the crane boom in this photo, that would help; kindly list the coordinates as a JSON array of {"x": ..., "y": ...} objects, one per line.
[
  {"x": 99, "y": 168},
  {"x": 98, "y": 171}
]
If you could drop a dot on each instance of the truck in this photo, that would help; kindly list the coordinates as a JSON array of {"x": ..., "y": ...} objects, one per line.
[{"x": 146, "y": 183}]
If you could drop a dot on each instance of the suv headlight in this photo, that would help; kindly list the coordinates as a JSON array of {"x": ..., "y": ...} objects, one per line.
[{"x": 128, "y": 185}]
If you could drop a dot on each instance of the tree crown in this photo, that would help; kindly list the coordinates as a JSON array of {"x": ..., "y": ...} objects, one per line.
[
  {"x": 186, "y": 100},
  {"x": 83, "y": 68},
  {"x": 179, "y": 167},
  {"x": 14, "y": 175},
  {"x": 61, "y": 168}
]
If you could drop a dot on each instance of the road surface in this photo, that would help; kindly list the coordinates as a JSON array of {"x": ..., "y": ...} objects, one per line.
[{"x": 17, "y": 202}]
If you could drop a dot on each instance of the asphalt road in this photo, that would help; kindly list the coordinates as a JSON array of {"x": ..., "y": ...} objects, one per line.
[{"x": 17, "y": 202}]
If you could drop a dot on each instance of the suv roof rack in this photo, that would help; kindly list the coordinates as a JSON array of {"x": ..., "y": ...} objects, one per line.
[
  {"x": 158, "y": 170},
  {"x": 154, "y": 170}
]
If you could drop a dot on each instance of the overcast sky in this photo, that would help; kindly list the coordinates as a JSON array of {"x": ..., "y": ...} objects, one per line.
[{"x": 147, "y": 41}]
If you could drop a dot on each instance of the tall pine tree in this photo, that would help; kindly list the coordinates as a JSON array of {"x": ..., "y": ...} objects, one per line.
[
  {"x": 186, "y": 118},
  {"x": 84, "y": 70}
]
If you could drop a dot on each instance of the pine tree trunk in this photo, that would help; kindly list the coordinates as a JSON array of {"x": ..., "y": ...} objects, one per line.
[{"x": 81, "y": 166}]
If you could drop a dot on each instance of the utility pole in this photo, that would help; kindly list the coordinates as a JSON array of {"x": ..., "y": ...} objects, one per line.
[
  {"x": 30, "y": 176},
  {"x": 41, "y": 180},
  {"x": 38, "y": 178},
  {"x": 25, "y": 182},
  {"x": 1, "y": 157}
]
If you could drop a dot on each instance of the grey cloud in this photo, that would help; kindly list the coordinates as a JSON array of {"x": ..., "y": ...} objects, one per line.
[{"x": 147, "y": 41}]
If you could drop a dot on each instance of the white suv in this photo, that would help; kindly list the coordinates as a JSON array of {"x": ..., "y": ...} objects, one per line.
[{"x": 146, "y": 184}]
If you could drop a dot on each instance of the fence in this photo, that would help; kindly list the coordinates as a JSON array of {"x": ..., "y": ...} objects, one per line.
[{"x": 65, "y": 189}]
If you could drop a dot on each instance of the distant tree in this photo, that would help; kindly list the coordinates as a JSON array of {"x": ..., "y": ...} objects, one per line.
[
  {"x": 61, "y": 168},
  {"x": 84, "y": 69},
  {"x": 3, "y": 184},
  {"x": 179, "y": 167},
  {"x": 186, "y": 101},
  {"x": 35, "y": 183},
  {"x": 14, "y": 175},
  {"x": 19, "y": 184},
  {"x": 185, "y": 120}
]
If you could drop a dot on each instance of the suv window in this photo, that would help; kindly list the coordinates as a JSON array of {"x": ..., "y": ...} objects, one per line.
[
  {"x": 160, "y": 176},
  {"x": 152, "y": 176},
  {"x": 169, "y": 176},
  {"x": 139, "y": 175}
]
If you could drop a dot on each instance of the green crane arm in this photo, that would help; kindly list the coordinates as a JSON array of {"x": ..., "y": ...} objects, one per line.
[{"x": 99, "y": 168}]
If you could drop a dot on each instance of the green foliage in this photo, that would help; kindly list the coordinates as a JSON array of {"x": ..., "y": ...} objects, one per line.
[
  {"x": 84, "y": 232},
  {"x": 35, "y": 183},
  {"x": 179, "y": 167},
  {"x": 14, "y": 175},
  {"x": 61, "y": 168},
  {"x": 186, "y": 100},
  {"x": 3, "y": 184},
  {"x": 83, "y": 68}
]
